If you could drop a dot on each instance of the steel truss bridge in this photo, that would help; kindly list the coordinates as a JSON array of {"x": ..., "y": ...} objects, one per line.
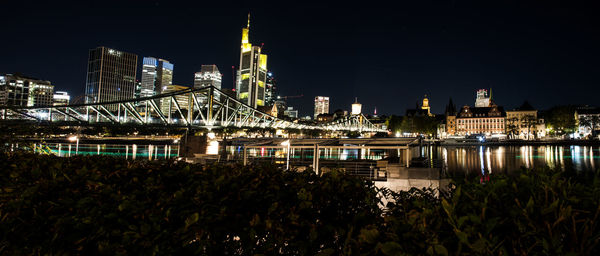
[{"x": 195, "y": 108}]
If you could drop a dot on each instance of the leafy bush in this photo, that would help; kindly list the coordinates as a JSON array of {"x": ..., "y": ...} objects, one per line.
[
  {"x": 91, "y": 205},
  {"x": 102, "y": 205}
]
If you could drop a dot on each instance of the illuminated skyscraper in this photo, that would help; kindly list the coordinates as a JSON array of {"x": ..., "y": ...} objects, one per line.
[
  {"x": 156, "y": 74},
  {"x": 110, "y": 75},
  {"x": 252, "y": 72},
  {"x": 209, "y": 75},
  {"x": 321, "y": 105},
  {"x": 270, "y": 90}
]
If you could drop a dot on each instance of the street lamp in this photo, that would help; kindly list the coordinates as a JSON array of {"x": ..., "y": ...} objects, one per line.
[
  {"x": 287, "y": 144},
  {"x": 75, "y": 139}
]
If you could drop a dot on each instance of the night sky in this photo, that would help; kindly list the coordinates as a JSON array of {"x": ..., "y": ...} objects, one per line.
[{"x": 546, "y": 52}]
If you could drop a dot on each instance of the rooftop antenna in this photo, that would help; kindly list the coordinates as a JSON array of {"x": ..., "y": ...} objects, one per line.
[{"x": 248, "y": 26}]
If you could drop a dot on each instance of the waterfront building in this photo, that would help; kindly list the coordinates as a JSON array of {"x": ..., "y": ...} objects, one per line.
[
  {"x": 588, "y": 121},
  {"x": 252, "y": 72},
  {"x": 209, "y": 75},
  {"x": 110, "y": 75},
  {"x": 481, "y": 120},
  {"x": 182, "y": 100},
  {"x": 61, "y": 98},
  {"x": 523, "y": 123},
  {"x": 356, "y": 107},
  {"x": 321, "y": 105},
  {"x": 156, "y": 74},
  {"x": 450, "y": 123},
  {"x": 19, "y": 90}
]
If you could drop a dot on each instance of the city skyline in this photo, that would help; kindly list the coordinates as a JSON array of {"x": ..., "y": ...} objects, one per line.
[{"x": 542, "y": 54}]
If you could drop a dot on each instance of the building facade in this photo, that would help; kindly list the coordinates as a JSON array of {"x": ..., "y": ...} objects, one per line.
[
  {"x": 588, "y": 121},
  {"x": 523, "y": 123},
  {"x": 270, "y": 90},
  {"x": 110, "y": 75},
  {"x": 19, "y": 90},
  {"x": 252, "y": 72},
  {"x": 483, "y": 100},
  {"x": 321, "y": 105},
  {"x": 61, "y": 98},
  {"x": 480, "y": 120},
  {"x": 156, "y": 74},
  {"x": 449, "y": 127},
  {"x": 209, "y": 75},
  {"x": 168, "y": 106}
]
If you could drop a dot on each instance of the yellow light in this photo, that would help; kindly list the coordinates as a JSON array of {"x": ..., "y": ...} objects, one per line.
[{"x": 263, "y": 61}]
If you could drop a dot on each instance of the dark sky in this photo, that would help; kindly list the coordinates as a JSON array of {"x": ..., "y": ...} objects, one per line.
[{"x": 546, "y": 52}]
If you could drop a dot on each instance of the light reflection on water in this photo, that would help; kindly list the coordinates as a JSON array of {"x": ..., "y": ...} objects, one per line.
[
  {"x": 504, "y": 159},
  {"x": 131, "y": 151}
]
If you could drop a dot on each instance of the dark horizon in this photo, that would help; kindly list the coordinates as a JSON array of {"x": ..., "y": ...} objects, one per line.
[{"x": 389, "y": 58}]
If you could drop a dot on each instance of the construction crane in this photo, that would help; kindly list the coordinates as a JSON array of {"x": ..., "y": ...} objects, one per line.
[{"x": 290, "y": 97}]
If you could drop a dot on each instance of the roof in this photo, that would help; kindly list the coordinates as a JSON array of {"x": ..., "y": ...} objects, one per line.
[
  {"x": 525, "y": 107},
  {"x": 479, "y": 112}
]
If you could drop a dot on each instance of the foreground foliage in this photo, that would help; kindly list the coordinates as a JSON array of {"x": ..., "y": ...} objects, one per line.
[{"x": 102, "y": 205}]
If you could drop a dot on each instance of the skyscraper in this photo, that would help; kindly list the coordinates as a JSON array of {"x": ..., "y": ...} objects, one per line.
[
  {"x": 156, "y": 74},
  {"x": 209, "y": 75},
  {"x": 321, "y": 105},
  {"x": 270, "y": 90},
  {"x": 252, "y": 72},
  {"x": 110, "y": 75}
]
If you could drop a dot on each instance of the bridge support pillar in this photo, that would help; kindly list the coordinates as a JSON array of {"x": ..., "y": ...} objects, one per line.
[{"x": 245, "y": 156}]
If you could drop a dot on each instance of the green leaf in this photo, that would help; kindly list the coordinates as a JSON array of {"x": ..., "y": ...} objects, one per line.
[{"x": 391, "y": 248}]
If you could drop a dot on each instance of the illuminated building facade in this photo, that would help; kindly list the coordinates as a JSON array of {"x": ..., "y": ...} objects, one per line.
[
  {"x": 588, "y": 121},
  {"x": 321, "y": 105},
  {"x": 425, "y": 105},
  {"x": 523, "y": 123},
  {"x": 167, "y": 105},
  {"x": 156, "y": 74},
  {"x": 356, "y": 107},
  {"x": 209, "y": 75},
  {"x": 110, "y": 75},
  {"x": 450, "y": 124},
  {"x": 480, "y": 120},
  {"x": 18, "y": 90},
  {"x": 252, "y": 72},
  {"x": 483, "y": 100},
  {"x": 61, "y": 98},
  {"x": 270, "y": 90}
]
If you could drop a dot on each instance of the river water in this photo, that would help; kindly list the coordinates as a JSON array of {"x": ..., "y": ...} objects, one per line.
[
  {"x": 505, "y": 159},
  {"x": 457, "y": 160}
]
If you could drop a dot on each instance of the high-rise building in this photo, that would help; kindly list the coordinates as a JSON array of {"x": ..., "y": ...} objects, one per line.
[
  {"x": 182, "y": 100},
  {"x": 110, "y": 75},
  {"x": 61, "y": 98},
  {"x": 156, "y": 74},
  {"x": 321, "y": 105},
  {"x": 19, "y": 90},
  {"x": 209, "y": 75},
  {"x": 270, "y": 90},
  {"x": 252, "y": 72},
  {"x": 356, "y": 107}
]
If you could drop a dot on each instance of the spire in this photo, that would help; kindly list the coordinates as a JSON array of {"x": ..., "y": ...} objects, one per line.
[
  {"x": 355, "y": 99},
  {"x": 248, "y": 26}
]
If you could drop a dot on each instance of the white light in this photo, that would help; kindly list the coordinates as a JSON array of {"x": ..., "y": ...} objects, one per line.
[
  {"x": 72, "y": 138},
  {"x": 285, "y": 143}
]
